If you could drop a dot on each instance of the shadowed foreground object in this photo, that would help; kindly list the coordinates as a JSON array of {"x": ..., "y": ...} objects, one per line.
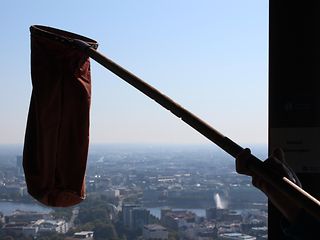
[{"x": 57, "y": 132}]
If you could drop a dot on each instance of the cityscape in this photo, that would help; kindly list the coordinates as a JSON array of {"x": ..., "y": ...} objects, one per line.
[{"x": 140, "y": 192}]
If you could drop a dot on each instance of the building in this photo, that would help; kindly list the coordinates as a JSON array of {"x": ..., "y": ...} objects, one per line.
[
  {"x": 164, "y": 212},
  {"x": 88, "y": 235},
  {"x": 134, "y": 216},
  {"x": 126, "y": 211},
  {"x": 207, "y": 230},
  {"x": 25, "y": 229},
  {"x": 211, "y": 213},
  {"x": 178, "y": 219},
  {"x": 259, "y": 232},
  {"x": 155, "y": 232},
  {"x": 112, "y": 193},
  {"x": 236, "y": 236},
  {"x": 203, "y": 231},
  {"x": 58, "y": 226},
  {"x": 138, "y": 218},
  {"x": 26, "y": 216},
  {"x": 231, "y": 216}
]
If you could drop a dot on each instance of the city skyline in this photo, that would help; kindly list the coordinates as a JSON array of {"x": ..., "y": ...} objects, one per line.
[
  {"x": 184, "y": 192},
  {"x": 211, "y": 57}
]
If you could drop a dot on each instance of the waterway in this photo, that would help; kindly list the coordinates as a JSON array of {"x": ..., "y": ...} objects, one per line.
[{"x": 7, "y": 208}]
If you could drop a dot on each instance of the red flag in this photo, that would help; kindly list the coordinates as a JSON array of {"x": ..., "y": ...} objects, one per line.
[{"x": 57, "y": 132}]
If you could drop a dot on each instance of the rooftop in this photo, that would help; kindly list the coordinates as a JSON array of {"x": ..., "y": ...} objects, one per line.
[{"x": 154, "y": 227}]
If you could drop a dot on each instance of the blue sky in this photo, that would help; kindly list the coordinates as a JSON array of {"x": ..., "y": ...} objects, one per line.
[{"x": 210, "y": 56}]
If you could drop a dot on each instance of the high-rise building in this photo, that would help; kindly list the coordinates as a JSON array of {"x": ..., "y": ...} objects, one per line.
[
  {"x": 139, "y": 218},
  {"x": 126, "y": 211},
  {"x": 134, "y": 216}
]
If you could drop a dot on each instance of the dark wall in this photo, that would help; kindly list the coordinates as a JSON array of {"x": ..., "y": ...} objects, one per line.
[{"x": 294, "y": 91}]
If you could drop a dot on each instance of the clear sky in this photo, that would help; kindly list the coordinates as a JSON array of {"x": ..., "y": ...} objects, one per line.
[{"x": 208, "y": 55}]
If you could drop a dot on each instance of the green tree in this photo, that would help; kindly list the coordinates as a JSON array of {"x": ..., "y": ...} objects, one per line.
[
  {"x": 8, "y": 238},
  {"x": 94, "y": 216},
  {"x": 62, "y": 213},
  {"x": 51, "y": 236},
  {"x": 173, "y": 235},
  {"x": 104, "y": 231}
]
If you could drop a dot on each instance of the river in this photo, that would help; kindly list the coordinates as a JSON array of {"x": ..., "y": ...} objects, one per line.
[{"x": 7, "y": 208}]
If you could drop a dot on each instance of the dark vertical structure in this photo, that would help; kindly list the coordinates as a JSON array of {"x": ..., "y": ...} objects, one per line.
[{"x": 294, "y": 91}]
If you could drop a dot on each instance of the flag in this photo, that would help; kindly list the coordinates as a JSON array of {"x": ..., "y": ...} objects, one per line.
[{"x": 57, "y": 131}]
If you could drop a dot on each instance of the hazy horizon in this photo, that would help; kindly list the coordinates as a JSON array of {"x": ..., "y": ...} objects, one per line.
[{"x": 260, "y": 150}]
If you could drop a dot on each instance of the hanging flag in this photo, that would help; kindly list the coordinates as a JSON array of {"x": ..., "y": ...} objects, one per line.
[{"x": 57, "y": 131}]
